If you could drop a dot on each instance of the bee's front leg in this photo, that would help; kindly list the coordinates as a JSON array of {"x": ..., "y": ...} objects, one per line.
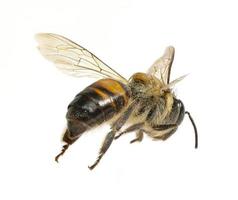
[
  {"x": 163, "y": 127},
  {"x": 166, "y": 135},
  {"x": 171, "y": 130}
]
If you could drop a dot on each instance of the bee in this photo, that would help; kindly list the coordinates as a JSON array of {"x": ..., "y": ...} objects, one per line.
[{"x": 144, "y": 104}]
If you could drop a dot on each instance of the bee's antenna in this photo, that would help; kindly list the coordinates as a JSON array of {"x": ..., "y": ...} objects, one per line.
[{"x": 195, "y": 129}]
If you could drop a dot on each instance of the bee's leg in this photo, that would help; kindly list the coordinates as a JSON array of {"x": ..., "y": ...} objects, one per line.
[
  {"x": 164, "y": 127},
  {"x": 171, "y": 130},
  {"x": 166, "y": 135},
  {"x": 110, "y": 136},
  {"x": 106, "y": 144},
  {"x": 139, "y": 137},
  {"x": 130, "y": 129},
  {"x": 66, "y": 146}
]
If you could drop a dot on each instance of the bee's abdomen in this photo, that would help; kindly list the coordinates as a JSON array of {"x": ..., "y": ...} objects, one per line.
[{"x": 97, "y": 103}]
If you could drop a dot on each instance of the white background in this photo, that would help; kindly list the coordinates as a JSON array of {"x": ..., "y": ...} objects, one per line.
[{"x": 128, "y": 35}]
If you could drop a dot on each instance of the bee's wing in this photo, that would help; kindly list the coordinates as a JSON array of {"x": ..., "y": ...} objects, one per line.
[
  {"x": 73, "y": 58},
  {"x": 162, "y": 67}
]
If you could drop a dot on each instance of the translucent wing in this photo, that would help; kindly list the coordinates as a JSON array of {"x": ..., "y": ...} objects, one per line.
[
  {"x": 162, "y": 67},
  {"x": 72, "y": 58}
]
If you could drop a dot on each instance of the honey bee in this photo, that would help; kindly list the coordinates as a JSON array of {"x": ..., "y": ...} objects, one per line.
[{"x": 145, "y": 103}]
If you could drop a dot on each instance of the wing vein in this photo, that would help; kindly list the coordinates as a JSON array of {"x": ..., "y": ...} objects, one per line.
[{"x": 69, "y": 56}]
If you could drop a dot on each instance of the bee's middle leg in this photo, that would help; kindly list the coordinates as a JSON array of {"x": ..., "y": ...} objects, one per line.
[
  {"x": 139, "y": 136},
  {"x": 130, "y": 129}
]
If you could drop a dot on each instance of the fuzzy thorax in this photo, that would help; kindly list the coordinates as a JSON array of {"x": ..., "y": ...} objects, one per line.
[{"x": 151, "y": 93}]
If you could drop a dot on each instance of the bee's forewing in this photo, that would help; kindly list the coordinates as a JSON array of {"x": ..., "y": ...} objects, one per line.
[{"x": 73, "y": 58}]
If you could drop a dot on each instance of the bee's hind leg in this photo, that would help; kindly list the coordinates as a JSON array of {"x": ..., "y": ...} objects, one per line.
[
  {"x": 68, "y": 142},
  {"x": 106, "y": 144},
  {"x": 72, "y": 133},
  {"x": 110, "y": 136},
  {"x": 64, "y": 148}
]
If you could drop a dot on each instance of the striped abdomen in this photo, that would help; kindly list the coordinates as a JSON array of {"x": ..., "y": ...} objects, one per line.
[{"x": 96, "y": 104}]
